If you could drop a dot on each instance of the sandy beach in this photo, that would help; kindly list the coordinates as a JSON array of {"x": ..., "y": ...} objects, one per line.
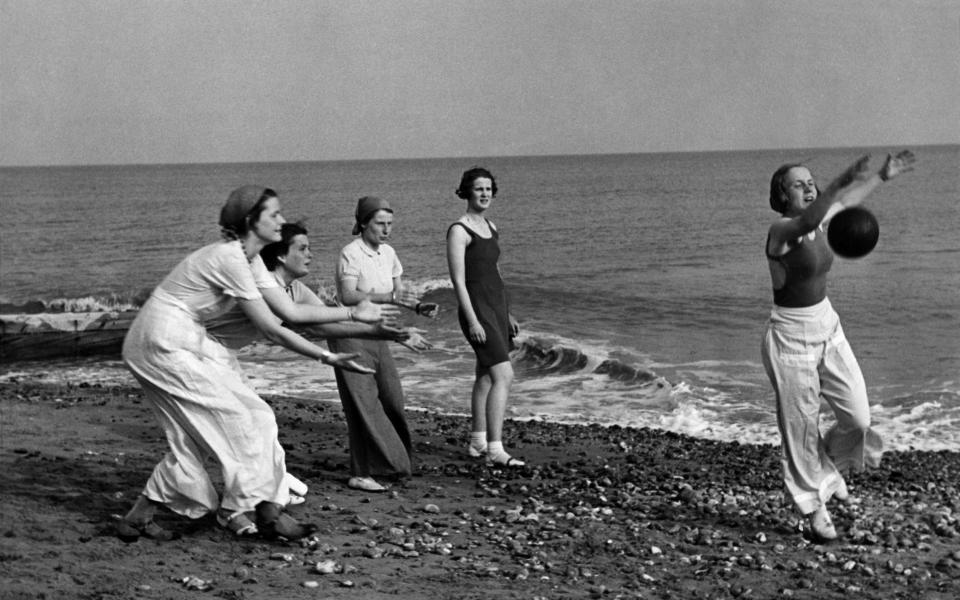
[{"x": 597, "y": 513}]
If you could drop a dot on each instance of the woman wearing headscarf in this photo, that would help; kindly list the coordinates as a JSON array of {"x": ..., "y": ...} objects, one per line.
[
  {"x": 199, "y": 395},
  {"x": 369, "y": 270}
]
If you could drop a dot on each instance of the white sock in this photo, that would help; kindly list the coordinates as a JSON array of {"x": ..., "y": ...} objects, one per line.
[
  {"x": 478, "y": 439},
  {"x": 497, "y": 454}
]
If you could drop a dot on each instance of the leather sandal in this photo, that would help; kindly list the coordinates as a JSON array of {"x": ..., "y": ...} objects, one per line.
[
  {"x": 237, "y": 522},
  {"x": 504, "y": 461},
  {"x": 129, "y": 532},
  {"x": 275, "y": 524}
]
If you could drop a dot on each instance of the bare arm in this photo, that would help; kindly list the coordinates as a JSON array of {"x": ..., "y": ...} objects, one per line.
[
  {"x": 376, "y": 331},
  {"x": 457, "y": 241},
  {"x": 302, "y": 314},
  {"x": 350, "y": 295},
  {"x": 261, "y": 316},
  {"x": 849, "y": 189}
]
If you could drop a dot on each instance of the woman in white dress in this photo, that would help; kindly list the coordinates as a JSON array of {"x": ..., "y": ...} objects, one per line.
[{"x": 206, "y": 408}]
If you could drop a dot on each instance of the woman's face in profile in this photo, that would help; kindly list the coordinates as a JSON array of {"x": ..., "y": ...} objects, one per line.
[
  {"x": 297, "y": 260},
  {"x": 267, "y": 226}
]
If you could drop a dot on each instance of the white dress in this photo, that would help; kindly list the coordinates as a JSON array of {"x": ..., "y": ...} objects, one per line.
[{"x": 199, "y": 393}]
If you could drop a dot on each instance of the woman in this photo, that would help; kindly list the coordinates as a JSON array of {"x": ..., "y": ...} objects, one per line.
[
  {"x": 199, "y": 395},
  {"x": 368, "y": 270},
  {"x": 285, "y": 263},
  {"x": 472, "y": 254},
  {"x": 288, "y": 261},
  {"x": 805, "y": 353}
]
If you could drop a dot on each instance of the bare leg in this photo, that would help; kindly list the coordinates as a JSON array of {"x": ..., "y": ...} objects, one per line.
[
  {"x": 478, "y": 399},
  {"x": 501, "y": 376}
]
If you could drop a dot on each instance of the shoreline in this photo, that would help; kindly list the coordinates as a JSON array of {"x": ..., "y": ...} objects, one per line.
[
  {"x": 61, "y": 372},
  {"x": 600, "y": 511}
]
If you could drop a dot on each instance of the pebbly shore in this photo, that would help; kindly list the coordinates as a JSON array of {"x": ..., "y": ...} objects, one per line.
[{"x": 598, "y": 512}]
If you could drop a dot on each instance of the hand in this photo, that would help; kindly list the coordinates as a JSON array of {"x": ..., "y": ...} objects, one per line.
[
  {"x": 895, "y": 165},
  {"x": 427, "y": 309},
  {"x": 514, "y": 326},
  {"x": 477, "y": 334},
  {"x": 347, "y": 362},
  {"x": 416, "y": 342},
  {"x": 408, "y": 298},
  {"x": 368, "y": 312}
]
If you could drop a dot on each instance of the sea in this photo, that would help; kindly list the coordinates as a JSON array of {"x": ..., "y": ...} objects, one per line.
[{"x": 639, "y": 280}]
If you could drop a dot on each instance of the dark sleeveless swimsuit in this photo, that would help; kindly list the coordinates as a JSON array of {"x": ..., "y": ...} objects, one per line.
[
  {"x": 488, "y": 296},
  {"x": 806, "y": 263}
]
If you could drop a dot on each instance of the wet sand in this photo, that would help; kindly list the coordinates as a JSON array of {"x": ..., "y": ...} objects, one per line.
[{"x": 597, "y": 513}]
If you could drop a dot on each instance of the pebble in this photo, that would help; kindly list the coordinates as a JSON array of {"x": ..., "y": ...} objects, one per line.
[
  {"x": 311, "y": 584},
  {"x": 325, "y": 567},
  {"x": 431, "y": 508}
]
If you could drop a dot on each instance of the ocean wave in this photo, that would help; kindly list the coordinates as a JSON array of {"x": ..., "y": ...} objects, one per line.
[
  {"x": 105, "y": 303},
  {"x": 134, "y": 299},
  {"x": 537, "y": 355}
]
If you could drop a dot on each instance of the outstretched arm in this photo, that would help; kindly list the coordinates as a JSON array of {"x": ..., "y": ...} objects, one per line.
[
  {"x": 857, "y": 190},
  {"x": 262, "y": 317},
  {"x": 303, "y": 314},
  {"x": 849, "y": 189}
]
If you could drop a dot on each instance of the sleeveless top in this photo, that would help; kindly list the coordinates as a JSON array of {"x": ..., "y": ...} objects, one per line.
[
  {"x": 806, "y": 265},
  {"x": 488, "y": 297}
]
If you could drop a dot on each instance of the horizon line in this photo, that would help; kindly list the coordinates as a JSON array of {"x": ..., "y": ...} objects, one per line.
[{"x": 467, "y": 157}]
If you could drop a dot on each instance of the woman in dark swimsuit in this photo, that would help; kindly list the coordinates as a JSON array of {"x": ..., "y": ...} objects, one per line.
[
  {"x": 805, "y": 353},
  {"x": 472, "y": 254}
]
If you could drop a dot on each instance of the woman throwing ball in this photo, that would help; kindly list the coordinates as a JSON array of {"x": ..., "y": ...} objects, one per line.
[{"x": 805, "y": 353}]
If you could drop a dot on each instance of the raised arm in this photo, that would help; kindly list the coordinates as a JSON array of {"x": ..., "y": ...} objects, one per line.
[{"x": 849, "y": 189}]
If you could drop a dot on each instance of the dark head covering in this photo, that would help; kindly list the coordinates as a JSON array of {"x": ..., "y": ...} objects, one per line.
[
  {"x": 366, "y": 206},
  {"x": 238, "y": 206}
]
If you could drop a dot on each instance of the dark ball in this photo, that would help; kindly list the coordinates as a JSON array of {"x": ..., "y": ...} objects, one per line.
[{"x": 853, "y": 232}]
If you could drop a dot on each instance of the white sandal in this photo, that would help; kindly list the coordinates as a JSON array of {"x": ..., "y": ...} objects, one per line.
[{"x": 239, "y": 523}]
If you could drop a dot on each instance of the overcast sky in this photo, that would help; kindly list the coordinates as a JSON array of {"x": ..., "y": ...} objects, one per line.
[{"x": 125, "y": 81}]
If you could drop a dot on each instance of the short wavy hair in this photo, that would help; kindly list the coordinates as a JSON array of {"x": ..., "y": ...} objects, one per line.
[
  {"x": 471, "y": 175},
  {"x": 272, "y": 253},
  {"x": 777, "y": 203}
]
